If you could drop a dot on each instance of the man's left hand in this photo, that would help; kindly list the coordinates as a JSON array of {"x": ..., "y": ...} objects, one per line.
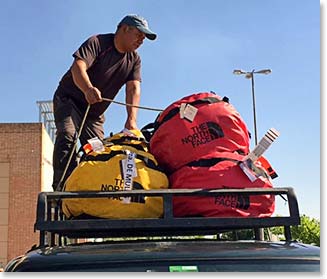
[{"x": 131, "y": 125}]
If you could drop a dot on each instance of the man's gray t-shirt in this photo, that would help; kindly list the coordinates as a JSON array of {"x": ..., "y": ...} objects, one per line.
[{"x": 108, "y": 70}]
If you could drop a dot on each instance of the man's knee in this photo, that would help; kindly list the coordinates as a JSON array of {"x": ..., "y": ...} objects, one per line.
[{"x": 65, "y": 137}]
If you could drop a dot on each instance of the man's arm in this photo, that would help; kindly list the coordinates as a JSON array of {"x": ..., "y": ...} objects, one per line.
[
  {"x": 133, "y": 93},
  {"x": 82, "y": 81}
]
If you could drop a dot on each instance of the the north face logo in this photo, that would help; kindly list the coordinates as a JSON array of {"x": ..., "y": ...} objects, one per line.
[
  {"x": 233, "y": 201},
  {"x": 203, "y": 133},
  {"x": 119, "y": 183}
]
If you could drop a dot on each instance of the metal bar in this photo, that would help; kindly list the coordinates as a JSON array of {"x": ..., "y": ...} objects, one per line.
[
  {"x": 44, "y": 102},
  {"x": 258, "y": 234},
  {"x": 287, "y": 233},
  {"x": 163, "y": 192},
  {"x": 254, "y": 112},
  {"x": 41, "y": 206},
  {"x": 40, "y": 215},
  {"x": 42, "y": 238},
  {"x": 168, "y": 207},
  {"x": 292, "y": 203},
  {"x": 168, "y": 225},
  {"x": 159, "y": 225}
]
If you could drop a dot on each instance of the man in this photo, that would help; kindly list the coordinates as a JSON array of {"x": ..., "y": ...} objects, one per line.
[{"x": 102, "y": 65}]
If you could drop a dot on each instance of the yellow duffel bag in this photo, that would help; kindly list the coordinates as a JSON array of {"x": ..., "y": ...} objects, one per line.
[
  {"x": 116, "y": 168},
  {"x": 134, "y": 138}
]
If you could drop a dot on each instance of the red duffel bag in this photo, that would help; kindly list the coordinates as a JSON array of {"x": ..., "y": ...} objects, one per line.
[
  {"x": 218, "y": 173},
  {"x": 195, "y": 126}
]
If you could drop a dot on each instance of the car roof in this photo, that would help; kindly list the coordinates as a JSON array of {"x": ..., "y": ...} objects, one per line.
[
  {"x": 129, "y": 254},
  {"x": 162, "y": 243}
]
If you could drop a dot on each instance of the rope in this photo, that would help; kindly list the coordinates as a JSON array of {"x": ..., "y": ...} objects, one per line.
[
  {"x": 74, "y": 147},
  {"x": 130, "y": 105},
  {"x": 81, "y": 128}
]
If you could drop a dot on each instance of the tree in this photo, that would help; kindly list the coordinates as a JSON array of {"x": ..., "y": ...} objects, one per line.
[{"x": 307, "y": 232}]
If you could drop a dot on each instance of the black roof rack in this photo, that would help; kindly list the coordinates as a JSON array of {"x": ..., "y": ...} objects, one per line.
[{"x": 51, "y": 223}]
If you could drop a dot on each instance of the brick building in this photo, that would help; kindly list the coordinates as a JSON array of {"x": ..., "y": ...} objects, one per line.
[{"x": 25, "y": 170}]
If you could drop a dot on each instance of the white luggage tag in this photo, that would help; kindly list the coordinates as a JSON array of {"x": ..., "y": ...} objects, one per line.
[
  {"x": 271, "y": 135},
  {"x": 129, "y": 172},
  {"x": 181, "y": 110},
  {"x": 187, "y": 111},
  {"x": 245, "y": 167},
  {"x": 96, "y": 144}
]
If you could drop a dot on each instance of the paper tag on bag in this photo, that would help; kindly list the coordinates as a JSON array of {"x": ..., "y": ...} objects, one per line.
[
  {"x": 248, "y": 172},
  {"x": 96, "y": 144},
  {"x": 129, "y": 172},
  {"x": 181, "y": 110},
  {"x": 190, "y": 112},
  {"x": 270, "y": 136}
]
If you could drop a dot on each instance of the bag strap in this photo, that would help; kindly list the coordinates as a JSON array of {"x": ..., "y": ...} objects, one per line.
[
  {"x": 127, "y": 140},
  {"x": 213, "y": 161},
  {"x": 174, "y": 111},
  {"x": 107, "y": 156},
  {"x": 210, "y": 162},
  {"x": 149, "y": 129}
]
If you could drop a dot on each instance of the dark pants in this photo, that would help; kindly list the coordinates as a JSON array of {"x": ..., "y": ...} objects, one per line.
[{"x": 68, "y": 119}]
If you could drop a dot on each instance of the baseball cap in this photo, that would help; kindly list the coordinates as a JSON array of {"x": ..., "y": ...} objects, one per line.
[{"x": 140, "y": 23}]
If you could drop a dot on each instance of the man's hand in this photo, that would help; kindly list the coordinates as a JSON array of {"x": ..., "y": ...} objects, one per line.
[
  {"x": 93, "y": 95},
  {"x": 82, "y": 81},
  {"x": 130, "y": 125},
  {"x": 133, "y": 92}
]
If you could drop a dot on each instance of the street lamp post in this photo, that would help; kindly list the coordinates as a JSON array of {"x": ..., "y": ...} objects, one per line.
[
  {"x": 259, "y": 233},
  {"x": 250, "y": 75}
]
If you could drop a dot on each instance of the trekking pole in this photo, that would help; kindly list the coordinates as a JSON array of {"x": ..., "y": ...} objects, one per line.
[{"x": 59, "y": 187}]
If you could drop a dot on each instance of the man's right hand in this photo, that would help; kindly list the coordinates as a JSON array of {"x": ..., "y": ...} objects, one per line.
[
  {"x": 93, "y": 95},
  {"x": 82, "y": 81}
]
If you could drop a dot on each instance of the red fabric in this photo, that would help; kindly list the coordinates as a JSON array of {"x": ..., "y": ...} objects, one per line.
[
  {"x": 216, "y": 128},
  {"x": 266, "y": 165},
  {"x": 225, "y": 174}
]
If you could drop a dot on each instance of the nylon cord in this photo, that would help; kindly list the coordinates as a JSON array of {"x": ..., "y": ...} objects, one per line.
[
  {"x": 129, "y": 105},
  {"x": 74, "y": 147},
  {"x": 81, "y": 128}
]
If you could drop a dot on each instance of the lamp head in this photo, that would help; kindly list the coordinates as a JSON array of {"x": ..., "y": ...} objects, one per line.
[
  {"x": 265, "y": 71},
  {"x": 249, "y": 75},
  {"x": 238, "y": 72}
]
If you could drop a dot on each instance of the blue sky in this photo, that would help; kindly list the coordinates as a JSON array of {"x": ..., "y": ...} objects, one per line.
[{"x": 199, "y": 45}]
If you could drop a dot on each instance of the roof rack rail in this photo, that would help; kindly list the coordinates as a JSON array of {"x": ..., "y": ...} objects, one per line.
[{"x": 51, "y": 222}]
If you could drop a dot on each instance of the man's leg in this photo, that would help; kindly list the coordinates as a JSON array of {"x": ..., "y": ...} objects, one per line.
[
  {"x": 93, "y": 127},
  {"x": 68, "y": 119}
]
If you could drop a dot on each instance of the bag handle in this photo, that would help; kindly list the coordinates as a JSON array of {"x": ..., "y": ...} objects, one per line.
[
  {"x": 107, "y": 156},
  {"x": 213, "y": 161},
  {"x": 156, "y": 124},
  {"x": 174, "y": 111}
]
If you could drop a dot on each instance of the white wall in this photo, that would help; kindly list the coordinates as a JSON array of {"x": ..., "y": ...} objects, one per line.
[{"x": 46, "y": 169}]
